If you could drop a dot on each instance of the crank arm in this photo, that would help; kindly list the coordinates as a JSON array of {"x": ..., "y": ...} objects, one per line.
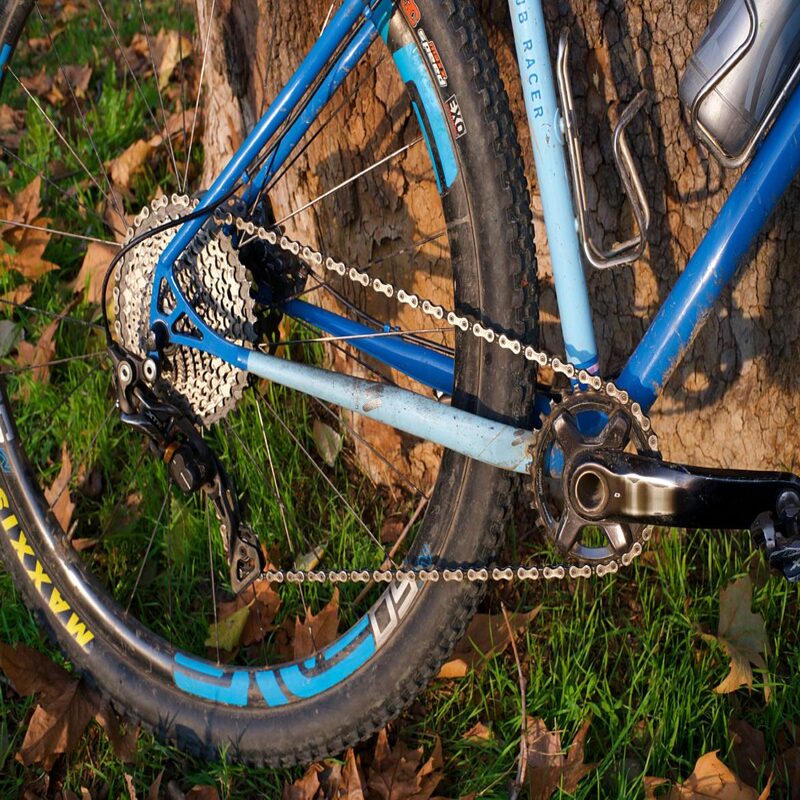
[{"x": 620, "y": 487}]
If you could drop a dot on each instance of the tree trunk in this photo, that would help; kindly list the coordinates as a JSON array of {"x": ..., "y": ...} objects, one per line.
[{"x": 734, "y": 400}]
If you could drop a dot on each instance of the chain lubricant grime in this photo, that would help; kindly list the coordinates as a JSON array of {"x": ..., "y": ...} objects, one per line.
[{"x": 613, "y": 397}]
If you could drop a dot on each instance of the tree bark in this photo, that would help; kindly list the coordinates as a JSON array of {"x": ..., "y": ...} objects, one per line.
[{"x": 734, "y": 400}]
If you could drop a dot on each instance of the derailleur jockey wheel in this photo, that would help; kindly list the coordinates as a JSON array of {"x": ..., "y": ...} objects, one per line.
[{"x": 582, "y": 422}]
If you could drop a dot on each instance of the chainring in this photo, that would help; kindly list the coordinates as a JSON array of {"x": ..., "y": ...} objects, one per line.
[
  {"x": 610, "y": 425},
  {"x": 212, "y": 278}
]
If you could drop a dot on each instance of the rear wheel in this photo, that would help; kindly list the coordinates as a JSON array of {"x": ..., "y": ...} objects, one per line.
[{"x": 128, "y": 572}]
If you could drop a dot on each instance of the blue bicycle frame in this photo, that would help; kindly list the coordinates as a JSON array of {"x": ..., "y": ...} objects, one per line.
[{"x": 350, "y": 33}]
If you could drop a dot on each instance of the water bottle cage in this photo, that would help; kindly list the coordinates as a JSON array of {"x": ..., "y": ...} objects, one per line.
[{"x": 632, "y": 249}]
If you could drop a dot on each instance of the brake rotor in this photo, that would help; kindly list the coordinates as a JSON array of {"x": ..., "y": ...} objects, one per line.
[{"x": 212, "y": 278}]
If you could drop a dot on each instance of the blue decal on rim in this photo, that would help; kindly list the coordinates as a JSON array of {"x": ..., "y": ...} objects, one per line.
[
  {"x": 305, "y": 685},
  {"x": 207, "y": 681},
  {"x": 5, "y": 54},
  {"x": 316, "y": 675},
  {"x": 4, "y": 465},
  {"x": 429, "y": 112}
]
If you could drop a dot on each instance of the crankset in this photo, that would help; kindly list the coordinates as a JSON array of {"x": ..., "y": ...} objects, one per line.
[
  {"x": 606, "y": 486},
  {"x": 192, "y": 465}
]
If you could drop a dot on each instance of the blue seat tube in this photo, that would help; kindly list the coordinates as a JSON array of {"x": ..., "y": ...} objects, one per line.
[
  {"x": 723, "y": 248},
  {"x": 287, "y": 100},
  {"x": 549, "y": 152}
]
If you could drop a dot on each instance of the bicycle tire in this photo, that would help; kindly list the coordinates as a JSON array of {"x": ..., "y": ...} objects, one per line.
[{"x": 217, "y": 708}]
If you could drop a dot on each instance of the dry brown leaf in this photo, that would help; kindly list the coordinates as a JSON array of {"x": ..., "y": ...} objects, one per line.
[
  {"x": 169, "y": 48},
  {"x": 741, "y": 634},
  {"x": 317, "y": 630},
  {"x": 651, "y": 784},
  {"x": 75, "y": 77},
  {"x": 202, "y": 793},
  {"x": 304, "y": 788},
  {"x": 57, "y": 728},
  {"x": 749, "y": 750},
  {"x": 351, "y": 783},
  {"x": 12, "y": 126},
  {"x": 154, "y": 792},
  {"x": 486, "y": 635},
  {"x": 479, "y": 732},
  {"x": 93, "y": 270},
  {"x": 787, "y": 772},
  {"x": 58, "y": 494},
  {"x": 127, "y": 163},
  {"x": 262, "y": 603},
  {"x": 396, "y": 774},
  {"x": 712, "y": 779},
  {"x": 392, "y": 528},
  {"x": 124, "y": 737},
  {"x": 21, "y": 294},
  {"x": 549, "y": 768},
  {"x": 38, "y": 355}
]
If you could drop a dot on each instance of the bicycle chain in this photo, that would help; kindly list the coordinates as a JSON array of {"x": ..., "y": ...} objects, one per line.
[{"x": 315, "y": 260}]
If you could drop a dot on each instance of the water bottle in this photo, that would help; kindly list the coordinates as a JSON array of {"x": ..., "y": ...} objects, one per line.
[{"x": 737, "y": 105}]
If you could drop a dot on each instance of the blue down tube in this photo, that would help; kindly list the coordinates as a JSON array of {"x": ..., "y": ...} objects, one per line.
[
  {"x": 716, "y": 259},
  {"x": 417, "y": 361}
]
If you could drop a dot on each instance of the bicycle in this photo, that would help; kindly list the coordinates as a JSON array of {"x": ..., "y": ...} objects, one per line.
[{"x": 196, "y": 366}]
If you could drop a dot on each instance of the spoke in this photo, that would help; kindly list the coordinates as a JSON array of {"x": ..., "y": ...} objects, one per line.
[
  {"x": 167, "y": 137},
  {"x": 65, "y": 142},
  {"x": 199, "y": 91},
  {"x": 371, "y": 447},
  {"x": 150, "y": 544},
  {"x": 358, "y": 336},
  {"x": 11, "y": 154},
  {"x": 347, "y": 182},
  {"x": 84, "y": 455},
  {"x": 51, "y": 314},
  {"x": 77, "y": 105},
  {"x": 54, "y": 362},
  {"x": 268, "y": 65},
  {"x": 12, "y": 223},
  {"x": 319, "y": 469},
  {"x": 281, "y": 506},
  {"x": 121, "y": 50},
  {"x": 213, "y": 579}
]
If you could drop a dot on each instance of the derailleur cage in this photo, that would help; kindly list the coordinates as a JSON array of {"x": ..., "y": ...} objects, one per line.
[{"x": 192, "y": 464}]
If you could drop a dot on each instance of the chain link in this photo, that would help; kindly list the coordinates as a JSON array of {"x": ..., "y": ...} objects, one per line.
[{"x": 315, "y": 260}]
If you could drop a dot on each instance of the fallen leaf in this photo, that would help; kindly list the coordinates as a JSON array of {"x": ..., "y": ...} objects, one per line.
[
  {"x": 19, "y": 295},
  {"x": 741, "y": 634},
  {"x": 651, "y": 784},
  {"x": 351, "y": 785},
  {"x": 12, "y": 126},
  {"x": 10, "y": 334},
  {"x": 396, "y": 774},
  {"x": 479, "y": 732},
  {"x": 202, "y": 793},
  {"x": 129, "y": 162},
  {"x": 58, "y": 494},
  {"x": 328, "y": 442},
  {"x": 486, "y": 635},
  {"x": 38, "y": 355},
  {"x": 226, "y": 634},
  {"x": 787, "y": 772},
  {"x": 712, "y": 779},
  {"x": 749, "y": 750},
  {"x": 317, "y": 630},
  {"x": 124, "y": 737},
  {"x": 304, "y": 788},
  {"x": 169, "y": 48},
  {"x": 75, "y": 77},
  {"x": 130, "y": 787},
  {"x": 93, "y": 271},
  {"x": 154, "y": 791},
  {"x": 392, "y": 528},
  {"x": 262, "y": 603},
  {"x": 549, "y": 768}
]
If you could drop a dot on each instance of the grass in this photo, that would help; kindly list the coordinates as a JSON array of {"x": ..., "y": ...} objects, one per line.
[{"x": 624, "y": 651}]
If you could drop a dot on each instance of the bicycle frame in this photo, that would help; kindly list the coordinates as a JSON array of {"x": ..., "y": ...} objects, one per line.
[{"x": 349, "y": 34}]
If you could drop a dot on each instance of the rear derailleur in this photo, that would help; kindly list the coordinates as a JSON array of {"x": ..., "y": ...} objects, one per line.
[{"x": 192, "y": 465}]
